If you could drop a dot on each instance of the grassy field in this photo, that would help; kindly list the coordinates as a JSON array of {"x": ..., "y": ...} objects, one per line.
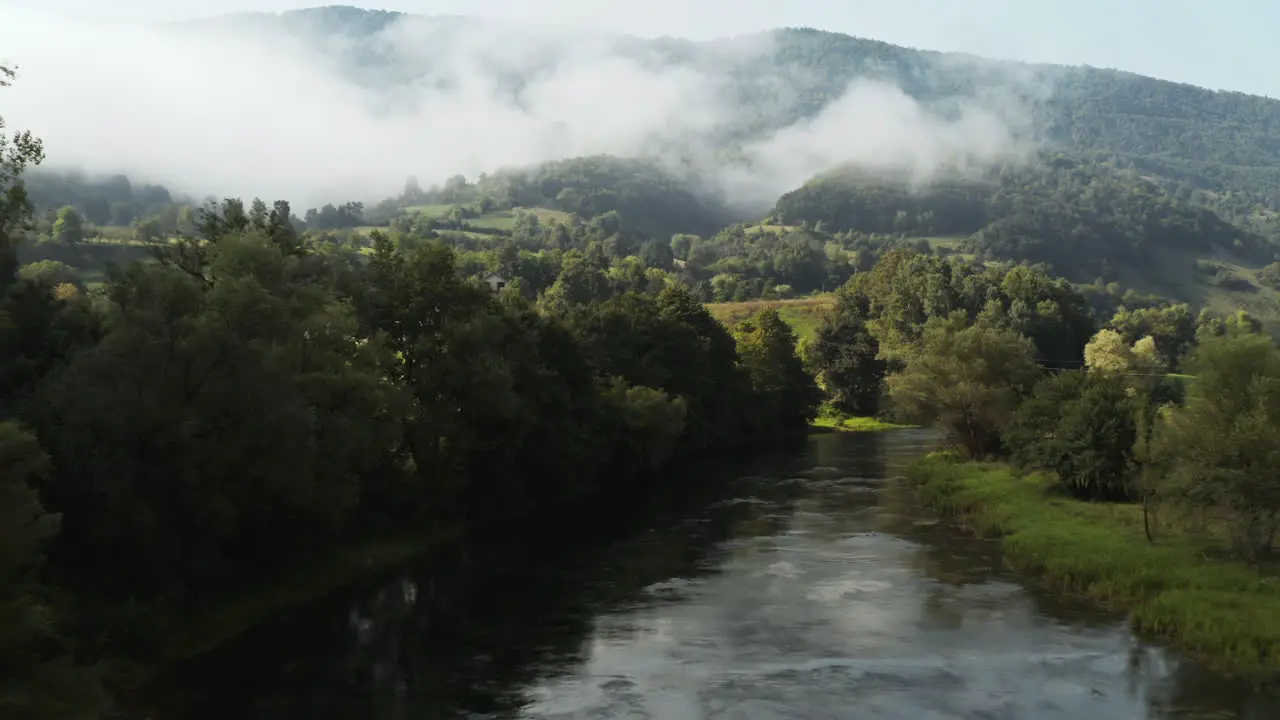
[
  {"x": 1173, "y": 274},
  {"x": 757, "y": 229},
  {"x": 431, "y": 211},
  {"x": 496, "y": 220},
  {"x": 802, "y": 314},
  {"x": 1181, "y": 588}
]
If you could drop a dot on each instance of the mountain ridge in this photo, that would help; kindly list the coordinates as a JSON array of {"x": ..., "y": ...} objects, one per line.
[{"x": 791, "y": 74}]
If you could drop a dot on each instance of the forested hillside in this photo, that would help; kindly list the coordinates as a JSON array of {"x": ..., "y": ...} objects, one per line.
[{"x": 1203, "y": 138}]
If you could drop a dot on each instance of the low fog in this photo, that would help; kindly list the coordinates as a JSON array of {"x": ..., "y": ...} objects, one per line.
[{"x": 215, "y": 109}]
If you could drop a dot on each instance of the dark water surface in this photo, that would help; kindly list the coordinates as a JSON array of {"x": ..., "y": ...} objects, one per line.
[{"x": 798, "y": 586}]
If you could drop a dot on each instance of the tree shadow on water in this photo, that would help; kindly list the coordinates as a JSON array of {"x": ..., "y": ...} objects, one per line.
[{"x": 467, "y": 630}]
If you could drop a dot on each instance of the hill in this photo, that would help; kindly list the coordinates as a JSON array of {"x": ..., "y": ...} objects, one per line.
[
  {"x": 640, "y": 197},
  {"x": 1200, "y": 138},
  {"x": 1143, "y": 185},
  {"x": 1092, "y": 221}
]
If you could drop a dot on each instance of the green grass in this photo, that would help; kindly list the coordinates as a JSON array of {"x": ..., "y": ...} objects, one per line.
[
  {"x": 802, "y": 314},
  {"x": 496, "y": 220},
  {"x": 951, "y": 242},
  {"x": 1172, "y": 273},
  {"x": 829, "y": 423},
  {"x": 1179, "y": 589}
]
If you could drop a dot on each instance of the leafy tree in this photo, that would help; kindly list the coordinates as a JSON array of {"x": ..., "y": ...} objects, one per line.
[
  {"x": 658, "y": 255},
  {"x": 847, "y": 359},
  {"x": 1080, "y": 425},
  {"x": 17, "y": 152},
  {"x": 51, "y": 273},
  {"x": 37, "y": 677},
  {"x": 1221, "y": 453},
  {"x": 787, "y": 395},
  {"x": 69, "y": 228},
  {"x": 965, "y": 380}
]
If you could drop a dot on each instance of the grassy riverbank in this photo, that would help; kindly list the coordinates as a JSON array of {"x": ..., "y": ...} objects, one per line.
[
  {"x": 1180, "y": 588},
  {"x": 836, "y": 423},
  {"x": 852, "y": 424}
]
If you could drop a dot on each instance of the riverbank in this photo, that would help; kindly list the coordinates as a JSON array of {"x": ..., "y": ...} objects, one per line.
[
  {"x": 852, "y": 424},
  {"x": 333, "y": 569},
  {"x": 338, "y": 567},
  {"x": 1180, "y": 589}
]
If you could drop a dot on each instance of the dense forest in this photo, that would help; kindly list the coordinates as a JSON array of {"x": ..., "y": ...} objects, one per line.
[
  {"x": 1155, "y": 406},
  {"x": 1082, "y": 218},
  {"x": 245, "y": 397}
]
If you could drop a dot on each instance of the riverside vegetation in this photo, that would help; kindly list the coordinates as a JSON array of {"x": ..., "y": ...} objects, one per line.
[
  {"x": 207, "y": 423},
  {"x": 198, "y": 399}
]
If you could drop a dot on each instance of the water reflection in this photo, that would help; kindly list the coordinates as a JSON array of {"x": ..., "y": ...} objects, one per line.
[{"x": 812, "y": 588}]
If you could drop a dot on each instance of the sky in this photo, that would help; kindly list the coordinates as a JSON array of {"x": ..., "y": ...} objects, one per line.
[{"x": 1223, "y": 44}]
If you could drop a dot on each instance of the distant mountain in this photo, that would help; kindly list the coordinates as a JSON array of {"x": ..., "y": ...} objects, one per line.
[{"x": 1191, "y": 137}]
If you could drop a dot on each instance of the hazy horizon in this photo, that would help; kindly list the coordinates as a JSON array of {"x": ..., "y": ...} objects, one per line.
[
  {"x": 239, "y": 112},
  {"x": 1226, "y": 45},
  {"x": 245, "y": 113}
]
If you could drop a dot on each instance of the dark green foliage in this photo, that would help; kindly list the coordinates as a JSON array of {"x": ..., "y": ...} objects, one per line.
[
  {"x": 251, "y": 398},
  {"x": 1219, "y": 456},
  {"x": 110, "y": 200},
  {"x": 635, "y": 197},
  {"x": 905, "y": 289},
  {"x": 1080, "y": 425},
  {"x": 966, "y": 380},
  {"x": 846, "y": 357},
  {"x": 38, "y": 681},
  {"x": 847, "y": 201},
  {"x": 1083, "y": 218},
  {"x": 785, "y": 396}
]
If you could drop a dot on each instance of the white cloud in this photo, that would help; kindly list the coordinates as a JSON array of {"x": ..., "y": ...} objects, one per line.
[{"x": 253, "y": 113}]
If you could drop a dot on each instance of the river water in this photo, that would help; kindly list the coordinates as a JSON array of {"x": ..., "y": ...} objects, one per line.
[{"x": 804, "y": 584}]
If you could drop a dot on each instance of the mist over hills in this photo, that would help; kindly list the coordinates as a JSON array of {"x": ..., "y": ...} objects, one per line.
[
  {"x": 388, "y": 95},
  {"x": 772, "y": 81},
  {"x": 788, "y": 152}
]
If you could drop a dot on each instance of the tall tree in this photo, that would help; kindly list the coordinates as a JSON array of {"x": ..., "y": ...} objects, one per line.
[
  {"x": 965, "y": 380},
  {"x": 787, "y": 395},
  {"x": 69, "y": 227},
  {"x": 1221, "y": 453},
  {"x": 37, "y": 679}
]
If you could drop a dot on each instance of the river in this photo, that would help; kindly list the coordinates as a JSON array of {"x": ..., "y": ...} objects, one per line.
[{"x": 804, "y": 584}]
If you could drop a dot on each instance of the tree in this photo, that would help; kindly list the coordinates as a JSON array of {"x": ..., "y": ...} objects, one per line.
[
  {"x": 787, "y": 395},
  {"x": 17, "y": 153},
  {"x": 1220, "y": 454},
  {"x": 965, "y": 380},
  {"x": 37, "y": 678},
  {"x": 69, "y": 227},
  {"x": 50, "y": 274},
  {"x": 655, "y": 254},
  {"x": 846, "y": 358},
  {"x": 1081, "y": 426}
]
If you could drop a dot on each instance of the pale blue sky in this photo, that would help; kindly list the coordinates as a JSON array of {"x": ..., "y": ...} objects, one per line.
[{"x": 1229, "y": 44}]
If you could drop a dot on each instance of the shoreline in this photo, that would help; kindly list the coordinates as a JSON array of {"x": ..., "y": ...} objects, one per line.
[
  {"x": 338, "y": 568},
  {"x": 1220, "y": 611},
  {"x": 829, "y": 424}
]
